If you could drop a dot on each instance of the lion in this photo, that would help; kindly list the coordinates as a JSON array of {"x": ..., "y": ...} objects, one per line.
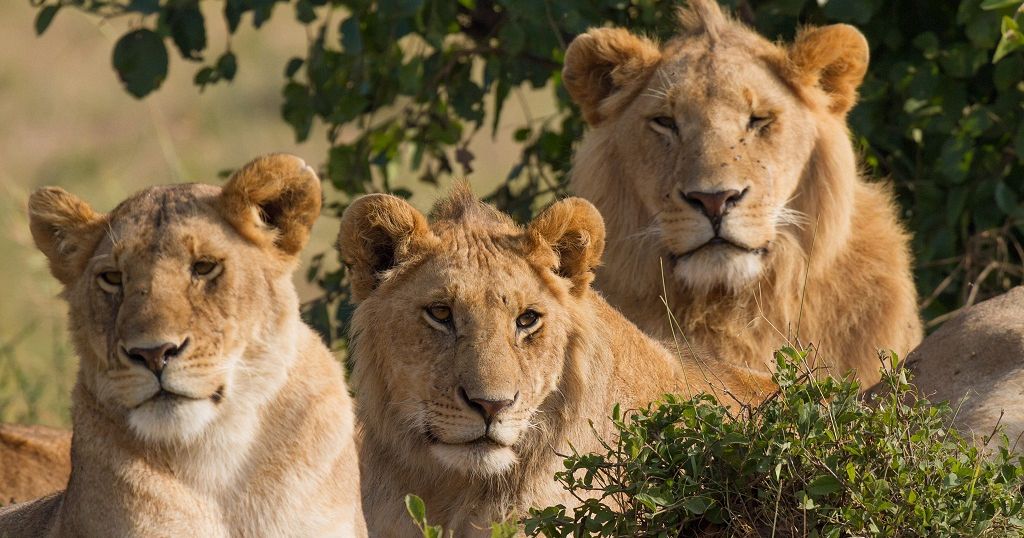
[
  {"x": 34, "y": 461},
  {"x": 976, "y": 362},
  {"x": 203, "y": 405},
  {"x": 723, "y": 166},
  {"x": 481, "y": 354}
]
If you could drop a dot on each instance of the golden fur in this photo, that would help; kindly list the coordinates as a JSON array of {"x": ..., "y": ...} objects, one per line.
[
  {"x": 34, "y": 461},
  {"x": 489, "y": 312},
  {"x": 246, "y": 427},
  {"x": 719, "y": 109}
]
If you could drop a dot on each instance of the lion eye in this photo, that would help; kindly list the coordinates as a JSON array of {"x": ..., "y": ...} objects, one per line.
[
  {"x": 758, "y": 123},
  {"x": 440, "y": 313},
  {"x": 206, "y": 268},
  {"x": 665, "y": 122},
  {"x": 110, "y": 280},
  {"x": 527, "y": 319}
]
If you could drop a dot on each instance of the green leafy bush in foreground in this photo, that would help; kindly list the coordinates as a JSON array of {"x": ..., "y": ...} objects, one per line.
[{"x": 815, "y": 459}]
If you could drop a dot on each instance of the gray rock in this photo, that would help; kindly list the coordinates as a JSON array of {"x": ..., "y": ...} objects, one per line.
[{"x": 978, "y": 357}]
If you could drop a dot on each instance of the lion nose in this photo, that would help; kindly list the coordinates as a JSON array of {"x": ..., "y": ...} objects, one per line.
[
  {"x": 488, "y": 409},
  {"x": 156, "y": 358},
  {"x": 714, "y": 204}
]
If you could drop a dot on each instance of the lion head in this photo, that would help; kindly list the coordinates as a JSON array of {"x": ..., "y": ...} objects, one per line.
[
  {"x": 722, "y": 133},
  {"x": 481, "y": 315},
  {"x": 179, "y": 296}
]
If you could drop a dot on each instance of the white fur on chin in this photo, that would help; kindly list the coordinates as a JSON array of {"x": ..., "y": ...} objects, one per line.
[
  {"x": 179, "y": 420},
  {"x": 718, "y": 266},
  {"x": 482, "y": 459}
]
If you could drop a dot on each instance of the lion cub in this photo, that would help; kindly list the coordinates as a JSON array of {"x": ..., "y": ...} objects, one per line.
[
  {"x": 204, "y": 406},
  {"x": 481, "y": 353}
]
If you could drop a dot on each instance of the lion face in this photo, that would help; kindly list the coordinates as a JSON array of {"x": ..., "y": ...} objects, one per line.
[
  {"x": 480, "y": 351},
  {"x": 483, "y": 313},
  {"x": 174, "y": 303},
  {"x": 721, "y": 157},
  {"x": 719, "y": 129}
]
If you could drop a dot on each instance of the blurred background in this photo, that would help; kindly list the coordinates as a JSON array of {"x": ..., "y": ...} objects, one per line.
[{"x": 107, "y": 97}]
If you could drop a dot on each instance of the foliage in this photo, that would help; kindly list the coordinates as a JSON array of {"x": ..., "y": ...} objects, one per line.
[
  {"x": 418, "y": 511},
  {"x": 813, "y": 460},
  {"x": 412, "y": 81}
]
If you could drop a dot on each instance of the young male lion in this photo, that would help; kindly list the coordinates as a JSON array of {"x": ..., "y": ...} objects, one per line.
[
  {"x": 204, "y": 407},
  {"x": 723, "y": 162},
  {"x": 481, "y": 354}
]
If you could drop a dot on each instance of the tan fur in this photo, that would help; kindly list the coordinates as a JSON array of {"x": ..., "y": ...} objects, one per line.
[
  {"x": 975, "y": 361},
  {"x": 421, "y": 435},
  {"x": 34, "y": 461},
  {"x": 768, "y": 122},
  {"x": 248, "y": 429}
]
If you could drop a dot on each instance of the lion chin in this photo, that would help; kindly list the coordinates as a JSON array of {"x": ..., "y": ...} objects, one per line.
[
  {"x": 164, "y": 419},
  {"x": 476, "y": 458},
  {"x": 715, "y": 266}
]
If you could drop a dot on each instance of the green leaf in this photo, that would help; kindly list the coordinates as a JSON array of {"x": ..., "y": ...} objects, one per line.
[
  {"x": 512, "y": 37},
  {"x": 823, "y": 485},
  {"x": 227, "y": 65},
  {"x": 293, "y": 67},
  {"x": 45, "y": 17},
  {"x": 351, "y": 37},
  {"x": 989, "y": 5},
  {"x": 304, "y": 12},
  {"x": 416, "y": 509},
  {"x": 697, "y": 505},
  {"x": 145, "y": 7},
  {"x": 1011, "y": 40},
  {"x": 140, "y": 59},
  {"x": 188, "y": 30},
  {"x": 1006, "y": 199},
  {"x": 297, "y": 109}
]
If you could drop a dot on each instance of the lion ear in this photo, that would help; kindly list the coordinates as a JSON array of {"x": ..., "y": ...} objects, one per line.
[
  {"x": 65, "y": 229},
  {"x": 833, "y": 58},
  {"x": 273, "y": 201},
  {"x": 378, "y": 233},
  {"x": 574, "y": 229},
  {"x": 605, "y": 68}
]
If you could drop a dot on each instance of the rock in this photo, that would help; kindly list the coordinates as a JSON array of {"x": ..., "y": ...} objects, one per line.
[{"x": 978, "y": 356}]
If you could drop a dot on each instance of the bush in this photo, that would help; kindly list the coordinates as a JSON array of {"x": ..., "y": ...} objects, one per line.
[
  {"x": 812, "y": 460},
  {"x": 409, "y": 78}
]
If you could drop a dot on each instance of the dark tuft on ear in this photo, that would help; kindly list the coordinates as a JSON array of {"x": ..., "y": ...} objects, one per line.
[
  {"x": 378, "y": 233},
  {"x": 65, "y": 229},
  {"x": 574, "y": 229},
  {"x": 605, "y": 68},
  {"x": 273, "y": 201},
  {"x": 833, "y": 58}
]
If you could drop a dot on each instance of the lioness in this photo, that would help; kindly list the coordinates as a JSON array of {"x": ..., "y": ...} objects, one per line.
[
  {"x": 976, "y": 362},
  {"x": 481, "y": 353},
  {"x": 723, "y": 162},
  {"x": 34, "y": 461},
  {"x": 204, "y": 406}
]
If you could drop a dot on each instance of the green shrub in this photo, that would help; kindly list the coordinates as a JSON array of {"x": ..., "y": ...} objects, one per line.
[{"x": 814, "y": 459}]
